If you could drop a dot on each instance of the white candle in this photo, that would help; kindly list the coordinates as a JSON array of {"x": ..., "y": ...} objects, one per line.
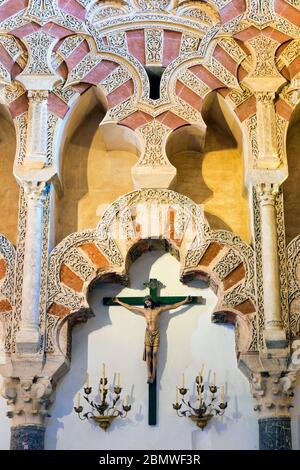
[
  {"x": 201, "y": 371},
  {"x": 176, "y": 395},
  {"x": 182, "y": 381},
  {"x": 214, "y": 378},
  {"x": 103, "y": 371},
  {"x": 200, "y": 395},
  {"x": 78, "y": 400},
  {"x": 222, "y": 394},
  {"x": 126, "y": 400},
  {"x": 87, "y": 380},
  {"x": 118, "y": 379}
]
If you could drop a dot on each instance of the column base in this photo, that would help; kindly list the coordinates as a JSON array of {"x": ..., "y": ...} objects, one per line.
[
  {"x": 275, "y": 433},
  {"x": 28, "y": 341},
  {"x": 27, "y": 438}
]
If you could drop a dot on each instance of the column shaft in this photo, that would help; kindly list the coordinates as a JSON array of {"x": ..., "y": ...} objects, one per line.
[
  {"x": 28, "y": 335},
  {"x": 275, "y": 433},
  {"x": 274, "y": 333},
  {"x": 27, "y": 438}
]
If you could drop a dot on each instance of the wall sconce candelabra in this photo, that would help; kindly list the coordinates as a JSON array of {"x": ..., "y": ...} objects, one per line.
[
  {"x": 105, "y": 412},
  {"x": 203, "y": 411}
]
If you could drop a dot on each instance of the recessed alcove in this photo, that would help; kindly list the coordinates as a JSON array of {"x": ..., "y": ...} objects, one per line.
[
  {"x": 115, "y": 336},
  {"x": 96, "y": 165},
  {"x": 213, "y": 176},
  {"x": 291, "y": 191},
  {"x": 9, "y": 189}
]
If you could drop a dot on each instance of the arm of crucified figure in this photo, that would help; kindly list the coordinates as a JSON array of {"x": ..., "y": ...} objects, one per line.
[
  {"x": 132, "y": 308},
  {"x": 178, "y": 304}
]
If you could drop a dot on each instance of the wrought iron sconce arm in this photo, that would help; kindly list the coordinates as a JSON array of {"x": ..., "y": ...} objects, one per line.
[
  {"x": 202, "y": 414},
  {"x": 103, "y": 413}
]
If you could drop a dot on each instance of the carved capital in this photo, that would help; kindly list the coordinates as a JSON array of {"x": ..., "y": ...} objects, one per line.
[
  {"x": 273, "y": 393},
  {"x": 38, "y": 96},
  {"x": 265, "y": 97},
  {"x": 29, "y": 399},
  {"x": 35, "y": 191},
  {"x": 267, "y": 193}
]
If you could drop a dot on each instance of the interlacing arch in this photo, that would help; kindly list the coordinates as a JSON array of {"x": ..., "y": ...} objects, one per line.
[{"x": 124, "y": 233}]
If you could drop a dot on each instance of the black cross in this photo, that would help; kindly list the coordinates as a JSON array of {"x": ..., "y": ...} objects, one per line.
[{"x": 154, "y": 285}]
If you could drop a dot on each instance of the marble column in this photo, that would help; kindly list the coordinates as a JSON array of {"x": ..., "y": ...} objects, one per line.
[
  {"x": 27, "y": 438},
  {"x": 274, "y": 333},
  {"x": 27, "y": 339},
  {"x": 275, "y": 433}
]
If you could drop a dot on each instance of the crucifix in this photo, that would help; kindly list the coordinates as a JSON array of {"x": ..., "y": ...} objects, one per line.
[{"x": 153, "y": 305}]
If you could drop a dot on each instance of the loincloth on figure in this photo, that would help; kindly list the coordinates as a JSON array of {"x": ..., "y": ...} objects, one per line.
[{"x": 152, "y": 339}]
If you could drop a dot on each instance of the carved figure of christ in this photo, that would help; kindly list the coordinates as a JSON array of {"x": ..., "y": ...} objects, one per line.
[{"x": 151, "y": 312}]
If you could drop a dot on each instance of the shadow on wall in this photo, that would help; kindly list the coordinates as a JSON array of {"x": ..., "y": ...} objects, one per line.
[
  {"x": 79, "y": 134},
  {"x": 96, "y": 166},
  {"x": 9, "y": 190},
  {"x": 75, "y": 379},
  {"x": 212, "y": 176},
  {"x": 291, "y": 191}
]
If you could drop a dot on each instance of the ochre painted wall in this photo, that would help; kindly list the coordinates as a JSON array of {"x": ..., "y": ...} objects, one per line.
[
  {"x": 214, "y": 178},
  {"x": 9, "y": 190},
  {"x": 291, "y": 190},
  {"x": 92, "y": 178}
]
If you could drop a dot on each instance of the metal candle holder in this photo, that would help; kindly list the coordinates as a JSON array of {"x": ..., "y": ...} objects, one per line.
[
  {"x": 105, "y": 412},
  {"x": 202, "y": 414}
]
